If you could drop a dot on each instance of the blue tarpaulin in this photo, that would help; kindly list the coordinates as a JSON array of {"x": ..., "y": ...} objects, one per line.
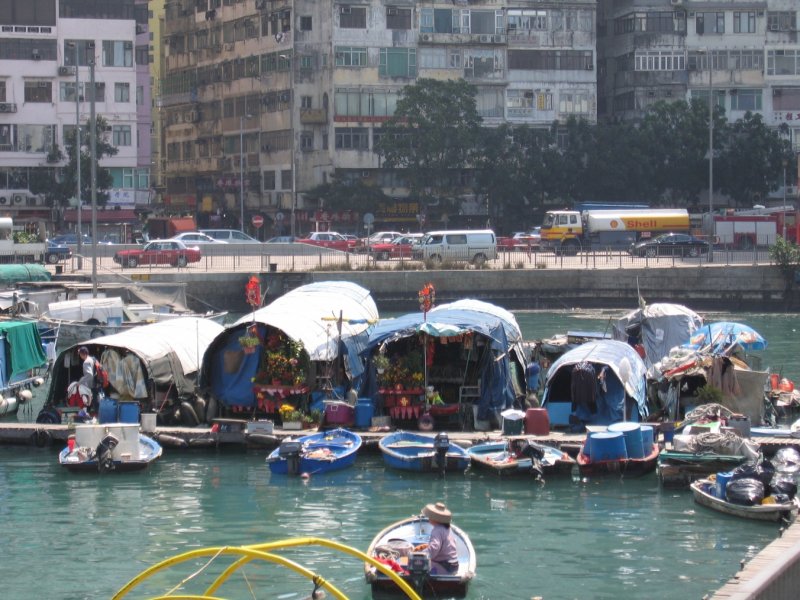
[{"x": 495, "y": 324}]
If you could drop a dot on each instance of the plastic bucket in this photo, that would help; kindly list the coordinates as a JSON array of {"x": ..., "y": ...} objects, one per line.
[
  {"x": 667, "y": 429},
  {"x": 606, "y": 445},
  {"x": 128, "y": 412},
  {"x": 632, "y": 432},
  {"x": 722, "y": 481},
  {"x": 364, "y": 413},
  {"x": 648, "y": 438},
  {"x": 107, "y": 413},
  {"x": 537, "y": 421},
  {"x": 149, "y": 422}
]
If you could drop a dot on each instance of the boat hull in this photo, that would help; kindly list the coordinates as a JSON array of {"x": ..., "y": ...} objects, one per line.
[
  {"x": 681, "y": 468},
  {"x": 494, "y": 457},
  {"x": 322, "y": 452},
  {"x": 415, "y": 452},
  {"x": 149, "y": 452},
  {"x": 701, "y": 489},
  {"x": 414, "y": 531},
  {"x": 630, "y": 467}
]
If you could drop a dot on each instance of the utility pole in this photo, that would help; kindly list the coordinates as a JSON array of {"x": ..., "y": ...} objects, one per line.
[
  {"x": 93, "y": 157},
  {"x": 78, "y": 139}
]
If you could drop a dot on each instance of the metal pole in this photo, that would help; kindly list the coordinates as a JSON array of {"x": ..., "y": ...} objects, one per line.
[
  {"x": 93, "y": 158},
  {"x": 241, "y": 171},
  {"x": 291, "y": 127},
  {"x": 784, "y": 199},
  {"x": 710, "y": 142},
  {"x": 78, "y": 139}
]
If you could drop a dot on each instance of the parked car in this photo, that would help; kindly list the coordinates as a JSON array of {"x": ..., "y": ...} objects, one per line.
[
  {"x": 671, "y": 244},
  {"x": 231, "y": 236},
  {"x": 281, "y": 239},
  {"x": 159, "y": 252},
  {"x": 190, "y": 238},
  {"x": 520, "y": 241},
  {"x": 475, "y": 246},
  {"x": 329, "y": 239},
  {"x": 400, "y": 247},
  {"x": 379, "y": 237},
  {"x": 56, "y": 252},
  {"x": 70, "y": 238}
]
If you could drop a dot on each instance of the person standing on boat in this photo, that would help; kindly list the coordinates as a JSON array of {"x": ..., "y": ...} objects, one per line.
[
  {"x": 88, "y": 379},
  {"x": 441, "y": 547}
]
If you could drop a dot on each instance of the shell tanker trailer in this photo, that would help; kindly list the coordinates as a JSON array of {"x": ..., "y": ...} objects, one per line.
[{"x": 570, "y": 231}]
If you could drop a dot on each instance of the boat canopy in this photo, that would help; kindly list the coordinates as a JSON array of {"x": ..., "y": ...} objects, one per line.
[
  {"x": 621, "y": 359},
  {"x": 496, "y": 324},
  {"x": 329, "y": 318},
  {"x": 659, "y": 328},
  {"x": 21, "y": 350},
  {"x": 721, "y": 337},
  {"x": 170, "y": 352},
  {"x": 12, "y": 274}
]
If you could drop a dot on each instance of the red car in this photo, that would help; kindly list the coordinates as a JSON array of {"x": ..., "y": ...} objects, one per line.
[
  {"x": 159, "y": 252},
  {"x": 400, "y": 247},
  {"x": 329, "y": 239},
  {"x": 520, "y": 241}
]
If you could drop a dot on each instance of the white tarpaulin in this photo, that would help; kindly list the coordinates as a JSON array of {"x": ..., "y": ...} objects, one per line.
[
  {"x": 310, "y": 315},
  {"x": 86, "y": 308}
]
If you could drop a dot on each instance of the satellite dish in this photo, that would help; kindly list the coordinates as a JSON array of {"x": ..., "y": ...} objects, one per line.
[{"x": 369, "y": 218}]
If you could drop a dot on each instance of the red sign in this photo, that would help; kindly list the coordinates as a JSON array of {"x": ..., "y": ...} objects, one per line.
[{"x": 257, "y": 221}]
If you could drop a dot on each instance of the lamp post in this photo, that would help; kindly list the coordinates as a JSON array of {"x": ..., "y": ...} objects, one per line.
[
  {"x": 78, "y": 154},
  {"x": 241, "y": 168},
  {"x": 785, "y": 163},
  {"x": 93, "y": 163},
  {"x": 292, "y": 220},
  {"x": 710, "y": 140}
]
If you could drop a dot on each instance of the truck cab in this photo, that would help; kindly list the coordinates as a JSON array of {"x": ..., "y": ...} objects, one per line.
[{"x": 562, "y": 229}]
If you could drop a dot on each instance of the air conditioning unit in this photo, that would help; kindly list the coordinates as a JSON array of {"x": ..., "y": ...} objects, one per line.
[
  {"x": 32, "y": 201},
  {"x": 426, "y": 37},
  {"x": 44, "y": 84},
  {"x": 140, "y": 28},
  {"x": 590, "y": 67},
  {"x": 391, "y": 12},
  {"x": 3, "y": 200},
  {"x": 19, "y": 198},
  {"x": 774, "y": 27},
  {"x": 499, "y": 39},
  {"x": 345, "y": 10},
  {"x": 65, "y": 71},
  {"x": 35, "y": 54},
  {"x": 777, "y": 92},
  {"x": 364, "y": 174},
  {"x": 734, "y": 91},
  {"x": 8, "y": 107},
  {"x": 676, "y": 2},
  {"x": 485, "y": 39}
]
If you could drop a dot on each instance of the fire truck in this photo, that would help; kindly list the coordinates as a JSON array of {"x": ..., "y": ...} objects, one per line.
[
  {"x": 757, "y": 227},
  {"x": 570, "y": 231}
]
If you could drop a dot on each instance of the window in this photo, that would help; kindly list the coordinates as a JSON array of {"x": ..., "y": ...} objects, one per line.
[
  {"x": 783, "y": 62},
  {"x": 269, "y": 180},
  {"x": 347, "y": 56},
  {"x": 702, "y": 96},
  {"x": 121, "y": 135},
  {"x": 2, "y": 91},
  {"x": 117, "y": 53},
  {"x": 352, "y": 17},
  {"x": 122, "y": 92},
  {"x": 305, "y": 23},
  {"x": 660, "y": 61},
  {"x": 369, "y": 102},
  {"x": 746, "y": 99},
  {"x": 84, "y": 54},
  {"x": 489, "y": 101},
  {"x": 398, "y": 18},
  {"x": 275, "y": 141},
  {"x": 38, "y": 91},
  {"x": 352, "y": 138},
  {"x": 306, "y": 141},
  {"x": 786, "y": 98},
  {"x": 305, "y": 102},
  {"x": 432, "y": 58},
  {"x": 550, "y": 60},
  {"x": 306, "y": 62},
  {"x": 573, "y": 103},
  {"x": 324, "y": 141},
  {"x": 780, "y": 20},
  {"x": 286, "y": 179},
  {"x": 398, "y": 62},
  {"x": 710, "y": 22},
  {"x": 139, "y": 95},
  {"x": 744, "y": 22},
  {"x": 142, "y": 55}
]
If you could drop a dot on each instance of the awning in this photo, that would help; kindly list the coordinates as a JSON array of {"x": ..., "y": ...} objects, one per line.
[{"x": 123, "y": 215}]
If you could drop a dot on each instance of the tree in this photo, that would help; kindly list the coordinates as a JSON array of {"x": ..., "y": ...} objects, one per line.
[
  {"x": 58, "y": 185},
  {"x": 434, "y": 133},
  {"x": 751, "y": 159},
  {"x": 348, "y": 195}
]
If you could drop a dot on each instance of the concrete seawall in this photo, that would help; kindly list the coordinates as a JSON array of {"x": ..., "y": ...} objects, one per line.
[{"x": 723, "y": 287}]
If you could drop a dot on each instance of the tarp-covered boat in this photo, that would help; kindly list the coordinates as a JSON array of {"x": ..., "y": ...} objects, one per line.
[
  {"x": 598, "y": 383},
  {"x": 703, "y": 491},
  {"x": 409, "y": 451},
  {"x": 319, "y": 328},
  {"x": 23, "y": 363},
  {"x": 155, "y": 365}
]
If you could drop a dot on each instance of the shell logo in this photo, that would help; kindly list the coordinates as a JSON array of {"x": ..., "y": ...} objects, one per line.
[{"x": 614, "y": 224}]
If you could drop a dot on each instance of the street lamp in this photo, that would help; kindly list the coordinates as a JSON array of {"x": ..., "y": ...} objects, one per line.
[
  {"x": 78, "y": 153},
  {"x": 93, "y": 163},
  {"x": 292, "y": 221},
  {"x": 785, "y": 163},
  {"x": 241, "y": 168},
  {"x": 710, "y": 140}
]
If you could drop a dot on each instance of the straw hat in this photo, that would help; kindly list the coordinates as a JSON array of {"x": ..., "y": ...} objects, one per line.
[{"x": 437, "y": 512}]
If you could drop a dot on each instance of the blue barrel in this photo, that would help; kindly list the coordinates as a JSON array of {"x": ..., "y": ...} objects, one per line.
[
  {"x": 128, "y": 412},
  {"x": 107, "y": 413},
  {"x": 632, "y": 432},
  {"x": 722, "y": 482},
  {"x": 364, "y": 413},
  {"x": 607, "y": 445},
  {"x": 648, "y": 439}
]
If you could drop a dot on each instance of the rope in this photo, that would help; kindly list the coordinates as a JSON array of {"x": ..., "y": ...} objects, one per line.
[
  {"x": 711, "y": 441},
  {"x": 197, "y": 572},
  {"x": 711, "y": 411}
]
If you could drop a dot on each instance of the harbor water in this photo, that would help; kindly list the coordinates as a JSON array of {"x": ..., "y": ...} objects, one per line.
[{"x": 74, "y": 536}]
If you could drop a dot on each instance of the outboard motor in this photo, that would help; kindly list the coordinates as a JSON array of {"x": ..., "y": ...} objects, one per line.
[
  {"x": 105, "y": 462},
  {"x": 536, "y": 453},
  {"x": 290, "y": 451},
  {"x": 441, "y": 444},
  {"x": 419, "y": 567}
]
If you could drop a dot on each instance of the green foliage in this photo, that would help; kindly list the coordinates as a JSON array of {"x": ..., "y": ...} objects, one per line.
[
  {"x": 786, "y": 255},
  {"x": 351, "y": 194},
  {"x": 708, "y": 394},
  {"x": 25, "y": 237}
]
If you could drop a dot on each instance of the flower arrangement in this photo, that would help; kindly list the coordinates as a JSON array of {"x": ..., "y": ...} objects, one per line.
[
  {"x": 283, "y": 361},
  {"x": 290, "y": 413}
]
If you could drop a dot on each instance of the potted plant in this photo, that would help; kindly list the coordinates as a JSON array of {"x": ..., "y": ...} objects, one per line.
[
  {"x": 291, "y": 418},
  {"x": 381, "y": 362},
  {"x": 249, "y": 343}
]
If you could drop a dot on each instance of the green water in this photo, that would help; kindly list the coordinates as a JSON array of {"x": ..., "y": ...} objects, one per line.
[{"x": 74, "y": 536}]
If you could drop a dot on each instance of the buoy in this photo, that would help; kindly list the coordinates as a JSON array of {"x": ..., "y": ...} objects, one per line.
[
  {"x": 10, "y": 405},
  {"x": 786, "y": 385},
  {"x": 200, "y": 409},
  {"x": 305, "y": 476},
  {"x": 212, "y": 407},
  {"x": 3, "y": 405},
  {"x": 261, "y": 439},
  {"x": 38, "y": 381},
  {"x": 188, "y": 415},
  {"x": 24, "y": 396},
  {"x": 171, "y": 440}
]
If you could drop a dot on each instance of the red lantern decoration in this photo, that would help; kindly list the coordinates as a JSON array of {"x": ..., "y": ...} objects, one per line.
[
  {"x": 252, "y": 292},
  {"x": 427, "y": 298}
]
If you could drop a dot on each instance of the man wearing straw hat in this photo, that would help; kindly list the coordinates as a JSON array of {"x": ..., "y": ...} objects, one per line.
[{"x": 441, "y": 547}]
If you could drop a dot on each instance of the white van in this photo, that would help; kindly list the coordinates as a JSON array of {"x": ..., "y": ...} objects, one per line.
[
  {"x": 472, "y": 245},
  {"x": 230, "y": 236}
]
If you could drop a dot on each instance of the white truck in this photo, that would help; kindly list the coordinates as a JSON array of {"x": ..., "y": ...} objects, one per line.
[{"x": 15, "y": 252}]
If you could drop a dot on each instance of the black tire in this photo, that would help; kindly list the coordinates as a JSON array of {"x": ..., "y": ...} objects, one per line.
[
  {"x": 651, "y": 252},
  {"x": 52, "y": 258},
  {"x": 212, "y": 409},
  {"x": 200, "y": 409},
  {"x": 96, "y": 333},
  {"x": 570, "y": 248},
  {"x": 48, "y": 416},
  {"x": 694, "y": 251},
  {"x": 132, "y": 262},
  {"x": 181, "y": 262},
  {"x": 436, "y": 259},
  {"x": 188, "y": 415},
  {"x": 479, "y": 260}
]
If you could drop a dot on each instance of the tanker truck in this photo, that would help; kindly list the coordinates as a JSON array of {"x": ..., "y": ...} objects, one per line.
[{"x": 570, "y": 231}]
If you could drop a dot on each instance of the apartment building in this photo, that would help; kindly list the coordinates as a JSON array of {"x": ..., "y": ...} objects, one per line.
[
  {"x": 46, "y": 49},
  {"x": 745, "y": 54},
  {"x": 264, "y": 100}
]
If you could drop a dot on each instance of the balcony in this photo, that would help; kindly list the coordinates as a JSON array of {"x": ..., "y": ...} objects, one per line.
[{"x": 313, "y": 116}]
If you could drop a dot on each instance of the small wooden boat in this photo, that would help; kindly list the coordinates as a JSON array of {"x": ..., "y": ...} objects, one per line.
[
  {"x": 410, "y": 451},
  {"x": 704, "y": 494},
  {"x": 681, "y": 468},
  {"x": 315, "y": 453},
  {"x": 520, "y": 456},
  {"x": 631, "y": 467},
  {"x": 117, "y": 447},
  {"x": 394, "y": 545}
]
